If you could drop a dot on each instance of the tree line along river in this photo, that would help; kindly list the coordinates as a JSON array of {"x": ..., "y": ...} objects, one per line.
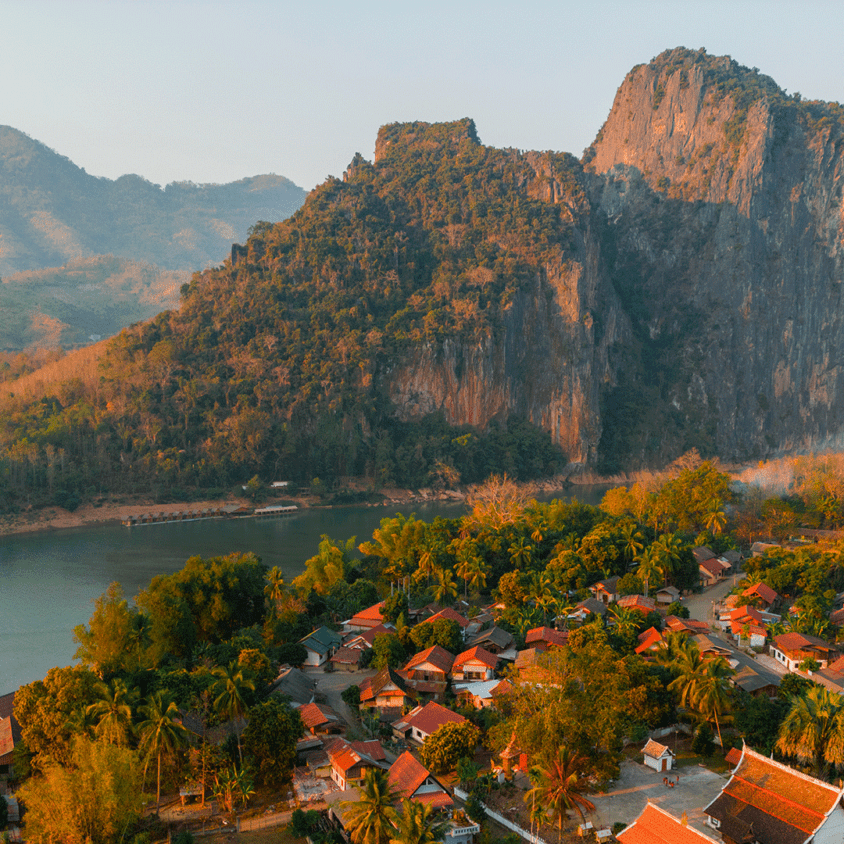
[{"x": 49, "y": 580}]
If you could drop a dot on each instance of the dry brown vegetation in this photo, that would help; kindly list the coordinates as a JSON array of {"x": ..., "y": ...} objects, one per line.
[{"x": 56, "y": 377}]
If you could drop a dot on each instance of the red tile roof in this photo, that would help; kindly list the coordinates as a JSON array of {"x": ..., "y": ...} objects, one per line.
[
  {"x": 638, "y": 602},
  {"x": 733, "y": 757},
  {"x": 367, "y": 637},
  {"x": 476, "y": 654},
  {"x": 450, "y": 615},
  {"x": 429, "y": 717},
  {"x": 763, "y": 591},
  {"x": 780, "y": 804},
  {"x": 439, "y": 657},
  {"x": 343, "y": 756},
  {"x": 407, "y": 773},
  {"x": 315, "y": 715},
  {"x": 688, "y": 625},
  {"x": 656, "y": 826},
  {"x": 372, "y": 749},
  {"x": 546, "y": 634},
  {"x": 794, "y": 642},
  {"x": 648, "y": 640},
  {"x": 712, "y": 566}
]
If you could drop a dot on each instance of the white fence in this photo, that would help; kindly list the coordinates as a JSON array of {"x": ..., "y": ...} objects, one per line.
[{"x": 522, "y": 833}]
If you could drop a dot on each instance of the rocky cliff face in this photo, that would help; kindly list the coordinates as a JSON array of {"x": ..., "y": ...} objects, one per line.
[{"x": 719, "y": 199}]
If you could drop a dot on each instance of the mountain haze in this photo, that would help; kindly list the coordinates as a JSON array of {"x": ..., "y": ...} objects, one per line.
[
  {"x": 452, "y": 309},
  {"x": 52, "y": 211}
]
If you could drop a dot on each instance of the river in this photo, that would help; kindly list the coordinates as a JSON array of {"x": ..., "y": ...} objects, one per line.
[{"x": 49, "y": 581}]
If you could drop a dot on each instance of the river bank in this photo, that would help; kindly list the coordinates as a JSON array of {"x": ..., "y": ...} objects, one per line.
[{"x": 108, "y": 512}]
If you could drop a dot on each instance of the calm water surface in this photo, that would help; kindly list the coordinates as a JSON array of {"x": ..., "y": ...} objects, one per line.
[{"x": 49, "y": 581}]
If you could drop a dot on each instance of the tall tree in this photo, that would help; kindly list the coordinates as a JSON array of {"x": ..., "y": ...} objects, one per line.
[
  {"x": 813, "y": 729},
  {"x": 230, "y": 688},
  {"x": 371, "y": 818},
  {"x": 91, "y": 800},
  {"x": 561, "y": 783},
  {"x": 161, "y": 733}
]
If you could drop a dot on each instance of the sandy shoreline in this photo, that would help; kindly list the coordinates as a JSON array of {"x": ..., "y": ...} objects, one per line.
[{"x": 89, "y": 515}]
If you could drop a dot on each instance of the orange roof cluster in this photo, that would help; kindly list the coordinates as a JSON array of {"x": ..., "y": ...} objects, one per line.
[
  {"x": 437, "y": 656},
  {"x": 656, "y": 826},
  {"x": 476, "y": 654}
]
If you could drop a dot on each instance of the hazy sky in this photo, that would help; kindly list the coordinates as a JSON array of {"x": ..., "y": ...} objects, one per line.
[{"x": 215, "y": 91}]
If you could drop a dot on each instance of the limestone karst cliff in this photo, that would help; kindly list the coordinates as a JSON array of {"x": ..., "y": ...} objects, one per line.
[{"x": 720, "y": 200}]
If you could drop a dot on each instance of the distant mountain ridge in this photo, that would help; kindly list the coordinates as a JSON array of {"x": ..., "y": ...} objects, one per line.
[{"x": 52, "y": 212}]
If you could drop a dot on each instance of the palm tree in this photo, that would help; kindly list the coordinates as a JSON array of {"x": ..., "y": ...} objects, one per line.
[
  {"x": 113, "y": 712},
  {"x": 813, "y": 729},
  {"x": 231, "y": 685},
  {"x": 560, "y": 785},
  {"x": 650, "y": 568},
  {"x": 521, "y": 553},
  {"x": 274, "y": 590},
  {"x": 371, "y": 818},
  {"x": 713, "y": 690},
  {"x": 715, "y": 519},
  {"x": 446, "y": 586},
  {"x": 703, "y": 685},
  {"x": 627, "y": 620},
  {"x": 632, "y": 541},
  {"x": 668, "y": 652},
  {"x": 418, "y": 824},
  {"x": 160, "y": 733}
]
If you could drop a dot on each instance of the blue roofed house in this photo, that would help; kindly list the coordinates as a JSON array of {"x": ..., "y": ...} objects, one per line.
[{"x": 321, "y": 645}]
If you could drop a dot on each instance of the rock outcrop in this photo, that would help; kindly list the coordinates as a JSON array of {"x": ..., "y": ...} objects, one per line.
[{"x": 720, "y": 200}]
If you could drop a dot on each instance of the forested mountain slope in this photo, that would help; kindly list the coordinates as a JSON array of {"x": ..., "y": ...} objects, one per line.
[
  {"x": 427, "y": 316},
  {"x": 52, "y": 211}
]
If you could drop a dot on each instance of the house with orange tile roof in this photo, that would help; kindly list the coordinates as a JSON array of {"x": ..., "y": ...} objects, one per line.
[
  {"x": 411, "y": 780},
  {"x": 686, "y": 625},
  {"x": 474, "y": 664},
  {"x": 387, "y": 692},
  {"x": 543, "y": 638},
  {"x": 348, "y": 765},
  {"x": 766, "y": 802},
  {"x": 448, "y": 614},
  {"x": 656, "y": 826},
  {"x": 427, "y": 672},
  {"x": 790, "y": 649},
  {"x": 365, "y": 619},
  {"x": 424, "y": 721},
  {"x": 649, "y": 640},
  {"x": 364, "y": 639},
  {"x": 763, "y": 596},
  {"x": 320, "y": 719},
  {"x": 641, "y": 603}
]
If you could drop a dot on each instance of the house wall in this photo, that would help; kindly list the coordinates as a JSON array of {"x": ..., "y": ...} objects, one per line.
[{"x": 832, "y": 830}]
